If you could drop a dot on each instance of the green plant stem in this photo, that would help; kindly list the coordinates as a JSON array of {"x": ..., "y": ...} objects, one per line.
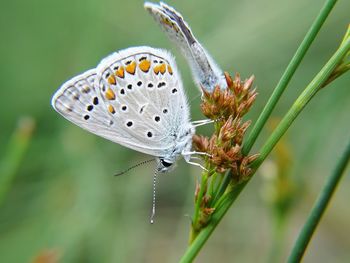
[
  {"x": 319, "y": 208},
  {"x": 16, "y": 149},
  {"x": 204, "y": 234},
  {"x": 294, "y": 111},
  {"x": 287, "y": 75},
  {"x": 212, "y": 184},
  {"x": 203, "y": 187},
  {"x": 278, "y": 236},
  {"x": 218, "y": 185},
  {"x": 222, "y": 187},
  {"x": 301, "y": 102}
]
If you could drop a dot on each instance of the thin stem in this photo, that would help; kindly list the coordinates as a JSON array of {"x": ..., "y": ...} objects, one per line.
[
  {"x": 16, "y": 149},
  {"x": 319, "y": 208},
  {"x": 200, "y": 196},
  {"x": 213, "y": 183},
  {"x": 301, "y": 102},
  {"x": 203, "y": 187},
  {"x": 279, "y": 231},
  {"x": 202, "y": 237},
  {"x": 223, "y": 186},
  {"x": 287, "y": 75},
  {"x": 221, "y": 178}
]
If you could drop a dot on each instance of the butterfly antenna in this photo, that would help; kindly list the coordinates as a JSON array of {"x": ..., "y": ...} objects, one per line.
[
  {"x": 134, "y": 166},
  {"x": 154, "y": 197}
]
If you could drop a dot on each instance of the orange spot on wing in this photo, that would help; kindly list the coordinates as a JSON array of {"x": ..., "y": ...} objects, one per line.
[
  {"x": 110, "y": 94},
  {"x": 162, "y": 68},
  {"x": 111, "y": 109},
  {"x": 145, "y": 65},
  {"x": 159, "y": 68},
  {"x": 120, "y": 72},
  {"x": 156, "y": 69},
  {"x": 170, "y": 70},
  {"x": 111, "y": 80},
  {"x": 166, "y": 21},
  {"x": 131, "y": 68}
]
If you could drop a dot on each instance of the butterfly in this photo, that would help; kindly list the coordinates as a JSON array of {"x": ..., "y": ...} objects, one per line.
[
  {"x": 205, "y": 71},
  {"x": 135, "y": 98}
]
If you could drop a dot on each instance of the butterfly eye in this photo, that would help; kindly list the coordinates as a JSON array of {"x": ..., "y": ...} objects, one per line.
[{"x": 165, "y": 164}]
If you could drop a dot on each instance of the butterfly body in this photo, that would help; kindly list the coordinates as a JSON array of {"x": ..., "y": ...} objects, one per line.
[{"x": 135, "y": 98}]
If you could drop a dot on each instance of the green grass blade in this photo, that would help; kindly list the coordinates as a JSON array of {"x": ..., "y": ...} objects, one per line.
[
  {"x": 319, "y": 208},
  {"x": 14, "y": 153},
  {"x": 288, "y": 74}
]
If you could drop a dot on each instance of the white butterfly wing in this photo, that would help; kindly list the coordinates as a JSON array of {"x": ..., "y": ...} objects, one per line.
[
  {"x": 127, "y": 104},
  {"x": 143, "y": 90},
  {"x": 78, "y": 101},
  {"x": 204, "y": 69}
]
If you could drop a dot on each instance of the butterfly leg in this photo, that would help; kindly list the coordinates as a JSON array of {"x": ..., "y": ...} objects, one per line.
[
  {"x": 201, "y": 122},
  {"x": 197, "y": 164},
  {"x": 198, "y": 153}
]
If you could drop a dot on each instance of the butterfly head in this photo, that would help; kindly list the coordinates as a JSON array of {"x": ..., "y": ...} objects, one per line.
[
  {"x": 182, "y": 144},
  {"x": 164, "y": 165}
]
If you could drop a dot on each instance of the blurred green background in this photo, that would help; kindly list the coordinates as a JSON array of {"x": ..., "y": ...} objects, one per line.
[{"x": 64, "y": 203}]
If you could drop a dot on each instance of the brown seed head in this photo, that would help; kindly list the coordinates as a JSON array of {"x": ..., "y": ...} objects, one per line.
[
  {"x": 200, "y": 142},
  {"x": 228, "y": 79},
  {"x": 227, "y": 107}
]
